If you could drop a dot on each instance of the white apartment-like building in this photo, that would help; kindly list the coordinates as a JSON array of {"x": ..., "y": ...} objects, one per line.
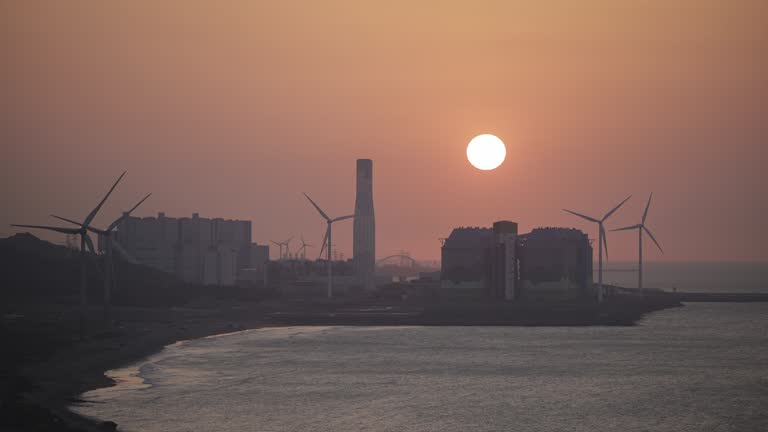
[{"x": 197, "y": 250}]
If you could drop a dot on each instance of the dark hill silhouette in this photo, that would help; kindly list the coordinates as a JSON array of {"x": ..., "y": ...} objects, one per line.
[{"x": 37, "y": 271}]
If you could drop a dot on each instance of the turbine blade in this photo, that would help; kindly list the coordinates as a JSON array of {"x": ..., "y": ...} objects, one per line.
[
  {"x": 89, "y": 243},
  {"x": 93, "y": 212},
  {"x": 605, "y": 240},
  {"x": 139, "y": 203},
  {"x": 91, "y": 229},
  {"x": 117, "y": 221},
  {"x": 121, "y": 250},
  {"x": 50, "y": 228},
  {"x": 67, "y": 220},
  {"x": 645, "y": 213},
  {"x": 342, "y": 218},
  {"x": 322, "y": 213},
  {"x": 582, "y": 216},
  {"x": 627, "y": 228},
  {"x": 647, "y": 231},
  {"x": 607, "y": 215}
]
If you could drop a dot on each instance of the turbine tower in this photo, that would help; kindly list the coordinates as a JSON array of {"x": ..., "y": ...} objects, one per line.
[
  {"x": 602, "y": 241},
  {"x": 640, "y": 228},
  {"x": 364, "y": 231},
  {"x": 110, "y": 243},
  {"x": 85, "y": 241},
  {"x": 287, "y": 245},
  {"x": 327, "y": 241}
]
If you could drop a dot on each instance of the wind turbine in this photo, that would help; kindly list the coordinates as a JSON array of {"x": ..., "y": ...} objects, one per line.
[
  {"x": 281, "y": 244},
  {"x": 280, "y": 253},
  {"x": 303, "y": 248},
  {"x": 110, "y": 243},
  {"x": 287, "y": 244},
  {"x": 602, "y": 241},
  {"x": 327, "y": 240},
  {"x": 640, "y": 228},
  {"x": 85, "y": 241}
]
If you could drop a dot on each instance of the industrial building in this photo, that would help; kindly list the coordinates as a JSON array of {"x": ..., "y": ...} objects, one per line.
[
  {"x": 197, "y": 250},
  {"x": 498, "y": 263},
  {"x": 364, "y": 230},
  {"x": 555, "y": 262}
]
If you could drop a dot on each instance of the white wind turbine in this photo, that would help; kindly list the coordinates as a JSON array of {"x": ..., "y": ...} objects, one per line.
[
  {"x": 85, "y": 241},
  {"x": 640, "y": 228},
  {"x": 327, "y": 241},
  {"x": 110, "y": 243},
  {"x": 602, "y": 241}
]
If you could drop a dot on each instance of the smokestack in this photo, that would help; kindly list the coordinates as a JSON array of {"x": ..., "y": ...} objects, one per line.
[{"x": 364, "y": 241}]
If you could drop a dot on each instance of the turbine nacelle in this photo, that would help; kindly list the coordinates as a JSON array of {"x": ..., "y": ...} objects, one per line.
[
  {"x": 329, "y": 221},
  {"x": 327, "y": 240},
  {"x": 602, "y": 240},
  {"x": 640, "y": 228},
  {"x": 602, "y": 237}
]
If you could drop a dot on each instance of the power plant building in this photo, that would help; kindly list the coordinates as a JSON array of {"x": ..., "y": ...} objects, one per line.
[
  {"x": 498, "y": 263},
  {"x": 465, "y": 259},
  {"x": 364, "y": 230},
  {"x": 197, "y": 250},
  {"x": 555, "y": 262}
]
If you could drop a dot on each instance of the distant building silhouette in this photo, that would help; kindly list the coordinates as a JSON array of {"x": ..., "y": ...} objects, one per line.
[
  {"x": 555, "y": 262},
  {"x": 364, "y": 231},
  {"x": 498, "y": 263},
  {"x": 465, "y": 260},
  {"x": 198, "y": 250}
]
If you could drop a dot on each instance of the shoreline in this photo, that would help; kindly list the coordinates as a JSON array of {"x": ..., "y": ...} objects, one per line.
[{"x": 54, "y": 384}]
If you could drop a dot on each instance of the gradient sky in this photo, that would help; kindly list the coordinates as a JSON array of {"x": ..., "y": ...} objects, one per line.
[{"x": 233, "y": 108}]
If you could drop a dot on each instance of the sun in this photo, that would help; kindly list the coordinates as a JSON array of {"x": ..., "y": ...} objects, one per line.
[{"x": 486, "y": 152}]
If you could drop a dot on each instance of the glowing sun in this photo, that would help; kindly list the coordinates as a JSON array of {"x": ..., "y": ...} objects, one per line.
[{"x": 486, "y": 152}]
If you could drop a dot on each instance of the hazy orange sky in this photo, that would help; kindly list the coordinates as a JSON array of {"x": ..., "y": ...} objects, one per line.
[{"x": 233, "y": 108}]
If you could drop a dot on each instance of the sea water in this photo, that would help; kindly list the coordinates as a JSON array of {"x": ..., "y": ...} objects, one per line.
[
  {"x": 702, "y": 367},
  {"x": 708, "y": 277}
]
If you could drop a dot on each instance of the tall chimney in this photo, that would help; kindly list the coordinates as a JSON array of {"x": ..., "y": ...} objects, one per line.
[{"x": 364, "y": 234}]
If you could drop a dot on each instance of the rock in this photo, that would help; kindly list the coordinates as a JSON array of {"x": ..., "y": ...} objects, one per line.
[{"x": 108, "y": 426}]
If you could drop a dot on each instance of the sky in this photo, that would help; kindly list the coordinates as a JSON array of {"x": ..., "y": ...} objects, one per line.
[{"x": 232, "y": 109}]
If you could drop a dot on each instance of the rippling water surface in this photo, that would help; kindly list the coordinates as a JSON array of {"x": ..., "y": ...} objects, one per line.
[{"x": 700, "y": 367}]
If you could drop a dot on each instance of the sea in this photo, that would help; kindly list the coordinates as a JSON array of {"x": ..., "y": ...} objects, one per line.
[
  {"x": 707, "y": 277},
  {"x": 700, "y": 367}
]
